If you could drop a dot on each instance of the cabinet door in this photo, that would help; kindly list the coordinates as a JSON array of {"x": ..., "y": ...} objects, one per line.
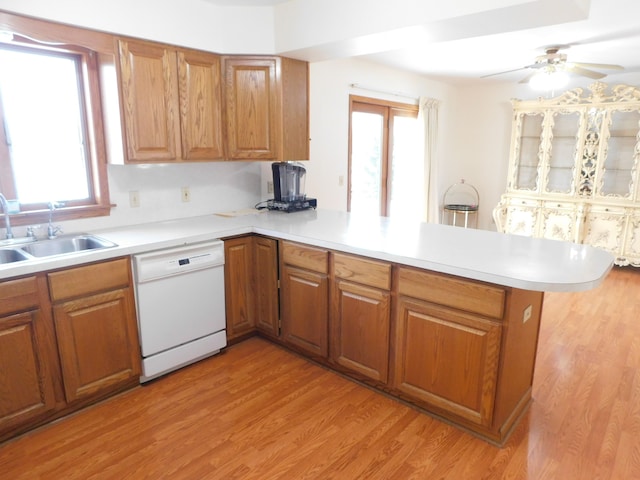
[
  {"x": 149, "y": 98},
  {"x": 27, "y": 354},
  {"x": 239, "y": 290},
  {"x": 295, "y": 110},
  {"x": 199, "y": 83},
  {"x": 98, "y": 343},
  {"x": 305, "y": 305},
  {"x": 560, "y": 221},
  {"x": 252, "y": 107},
  {"x": 526, "y": 151},
  {"x": 604, "y": 228},
  {"x": 521, "y": 217},
  {"x": 26, "y": 375},
  {"x": 447, "y": 359},
  {"x": 618, "y": 163},
  {"x": 266, "y": 283},
  {"x": 361, "y": 329}
]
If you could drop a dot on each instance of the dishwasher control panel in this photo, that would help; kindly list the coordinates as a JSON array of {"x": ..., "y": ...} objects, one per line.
[{"x": 174, "y": 261}]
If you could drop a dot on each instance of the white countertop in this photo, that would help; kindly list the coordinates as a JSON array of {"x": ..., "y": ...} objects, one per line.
[{"x": 509, "y": 260}]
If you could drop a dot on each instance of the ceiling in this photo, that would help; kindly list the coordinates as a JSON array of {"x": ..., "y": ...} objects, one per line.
[{"x": 606, "y": 31}]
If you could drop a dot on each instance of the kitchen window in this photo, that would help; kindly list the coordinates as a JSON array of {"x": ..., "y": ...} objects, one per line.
[
  {"x": 385, "y": 165},
  {"x": 51, "y": 140}
]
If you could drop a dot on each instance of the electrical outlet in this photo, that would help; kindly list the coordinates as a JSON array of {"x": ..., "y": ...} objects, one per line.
[
  {"x": 134, "y": 199},
  {"x": 526, "y": 315},
  {"x": 269, "y": 187},
  {"x": 186, "y": 194}
]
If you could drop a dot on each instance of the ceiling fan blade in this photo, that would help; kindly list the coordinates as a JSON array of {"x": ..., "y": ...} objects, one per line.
[
  {"x": 584, "y": 72},
  {"x": 606, "y": 66},
  {"x": 501, "y": 73},
  {"x": 535, "y": 65}
]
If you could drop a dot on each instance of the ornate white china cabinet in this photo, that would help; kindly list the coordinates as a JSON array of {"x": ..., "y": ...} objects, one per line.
[{"x": 573, "y": 170}]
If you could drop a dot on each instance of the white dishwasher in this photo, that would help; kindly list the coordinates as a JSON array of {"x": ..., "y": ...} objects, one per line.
[{"x": 181, "y": 306}]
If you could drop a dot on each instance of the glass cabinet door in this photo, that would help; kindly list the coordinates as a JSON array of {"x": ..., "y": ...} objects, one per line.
[
  {"x": 528, "y": 145},
  {"x": 621, "y": 155},
  {"x": 562, "y": 152}
]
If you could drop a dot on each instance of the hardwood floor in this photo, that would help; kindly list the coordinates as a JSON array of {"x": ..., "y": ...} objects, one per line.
[{"x": 260, "y": 412}]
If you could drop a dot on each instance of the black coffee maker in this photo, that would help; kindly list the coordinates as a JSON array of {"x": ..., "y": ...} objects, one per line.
[{"x": 288, "y": 188}]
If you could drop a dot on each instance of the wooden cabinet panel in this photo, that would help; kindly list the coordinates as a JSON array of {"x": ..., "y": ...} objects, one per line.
[
  {"x": 303, "y": 256},
  {"x": 88, "y": 279},
  {"x": 96, "y": 328},
  {"x": 294, "y": 142},
  {"x": 27, "y": 367},
  {"x": 149, "y": 97},
  {"x": 454, "y": 292},
  {"x": 266, "y": 284},
  {"x": 362, "y": 270},
  {"x": 26, "y": 385},
  {"x": 252, "y": 107},
  {"x": 360, "y": 334},
  {"x": 266, "y": 108},
  {"x": 305, "y": 305},
  {"x": 447, "y": 359},
  {"x": 239, "y": 290},
  {"x": 98, "y": 343},
  {"x": 199, "y": 80}
]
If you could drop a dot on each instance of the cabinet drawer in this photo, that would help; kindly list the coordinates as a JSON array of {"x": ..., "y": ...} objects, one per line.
[
  {"x": 89, "y": 279},
  {"x": 302, "y": 256},
  {"x": 18, "y": 295},
  {"x": 363, "y": 271},
  {"x": 452, "y": 292}
]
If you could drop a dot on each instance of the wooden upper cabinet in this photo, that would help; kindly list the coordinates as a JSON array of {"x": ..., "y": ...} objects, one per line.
[
  {"x": 149, "y": 99},
  {"x": 266, "y": 107},
  {"x": 199, "y": 80},
  {"x": 171, "y": 103}
]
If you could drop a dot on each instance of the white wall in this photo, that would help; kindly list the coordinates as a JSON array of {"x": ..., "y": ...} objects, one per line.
[
  {"x": 189, "y": 23},
  {"x": 329, "y": 122}
]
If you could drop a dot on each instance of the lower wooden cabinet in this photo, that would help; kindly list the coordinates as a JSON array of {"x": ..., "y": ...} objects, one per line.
[
  {"x": 28, "y": 367},
  {"x": 361, "y": 315},
  {"x": 447, "y": 359},
  {"x": 96, "y": 329},
  {"x": 251, "y": 281},
  {"x": 305, "y": 298},
  {"x": 67, "y": 338},
  {"x": 266, "y": 285},
  {"x": 239, "y": 287},
  {"x": 458, "y": 348}
]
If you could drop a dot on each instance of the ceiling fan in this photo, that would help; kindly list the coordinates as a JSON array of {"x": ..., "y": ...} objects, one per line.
[{"x": 555, "y": 62}]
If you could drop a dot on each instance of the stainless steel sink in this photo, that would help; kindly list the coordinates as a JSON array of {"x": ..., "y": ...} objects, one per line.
[
  {"x": 66, "y": 244},
  {"x": 11, "y": 255}
]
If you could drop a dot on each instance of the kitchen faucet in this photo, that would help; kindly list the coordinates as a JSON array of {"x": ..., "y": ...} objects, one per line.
[
  {"x": 7, "y": 221},
  {"x": 51, "y": 229}
]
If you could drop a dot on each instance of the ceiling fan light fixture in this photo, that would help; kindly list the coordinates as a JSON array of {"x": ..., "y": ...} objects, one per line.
[{"x": 549, "y": 80}]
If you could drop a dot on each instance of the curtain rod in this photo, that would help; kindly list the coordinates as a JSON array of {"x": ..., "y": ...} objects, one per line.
[{"x": 370, "y": 89}]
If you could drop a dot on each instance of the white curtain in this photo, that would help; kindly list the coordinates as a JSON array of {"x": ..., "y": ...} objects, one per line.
[{"x": 428, "y": 118}]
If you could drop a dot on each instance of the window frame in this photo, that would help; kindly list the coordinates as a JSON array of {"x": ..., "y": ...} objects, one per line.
[
  {"x": 98, "y": 203},
  {"x": 389, "y": 110}
]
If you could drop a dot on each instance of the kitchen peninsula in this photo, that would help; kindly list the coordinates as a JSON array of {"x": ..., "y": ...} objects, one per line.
[{"x": 441, "y": 317}]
